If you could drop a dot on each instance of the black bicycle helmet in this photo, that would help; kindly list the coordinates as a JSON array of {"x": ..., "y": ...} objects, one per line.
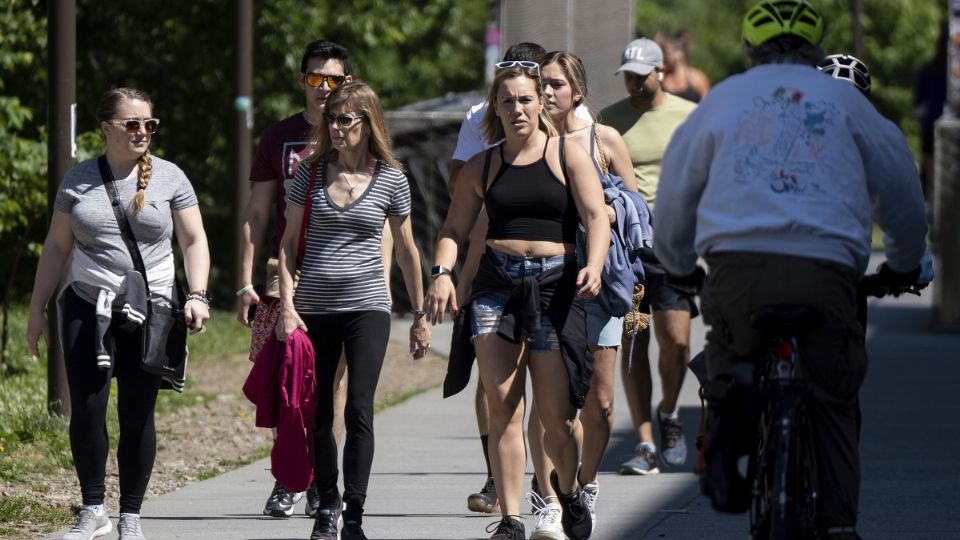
[{"x": 849, "y": 68}]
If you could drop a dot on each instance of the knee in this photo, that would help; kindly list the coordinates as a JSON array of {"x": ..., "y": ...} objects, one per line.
[
  {"x": 599, "y": 408},
  {"x": 560, "y": 428}
]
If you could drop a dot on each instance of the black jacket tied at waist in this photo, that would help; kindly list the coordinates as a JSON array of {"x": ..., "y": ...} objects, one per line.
[{"x": 551, "y": 293}]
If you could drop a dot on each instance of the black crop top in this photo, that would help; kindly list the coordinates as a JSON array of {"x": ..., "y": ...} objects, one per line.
[{"x": 528, "y": 202}]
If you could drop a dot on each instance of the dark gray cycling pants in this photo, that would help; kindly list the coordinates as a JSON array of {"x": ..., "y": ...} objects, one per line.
[{"x": 833, "y": 355}]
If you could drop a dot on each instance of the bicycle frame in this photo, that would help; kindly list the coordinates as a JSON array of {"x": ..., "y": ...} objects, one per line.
[{"x": 784, "y": 469}]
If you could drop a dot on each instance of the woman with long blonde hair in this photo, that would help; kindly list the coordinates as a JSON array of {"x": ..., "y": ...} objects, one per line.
[
  {"x": 523, "y": 308},
  {"x": 353, "y": 184}
]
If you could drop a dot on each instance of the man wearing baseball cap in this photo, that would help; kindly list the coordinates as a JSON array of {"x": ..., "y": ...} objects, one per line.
[{"x": 647, "y": 119}]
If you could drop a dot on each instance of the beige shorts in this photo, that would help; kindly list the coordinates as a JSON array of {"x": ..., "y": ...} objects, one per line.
[{"x": 271, "y": 286}]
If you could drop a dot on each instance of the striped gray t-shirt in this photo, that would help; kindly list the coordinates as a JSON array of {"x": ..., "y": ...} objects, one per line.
[{"x": 342, "y": 268}]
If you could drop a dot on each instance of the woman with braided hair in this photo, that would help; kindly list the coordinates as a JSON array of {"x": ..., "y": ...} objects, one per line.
[{"x": 103, "y": 299}]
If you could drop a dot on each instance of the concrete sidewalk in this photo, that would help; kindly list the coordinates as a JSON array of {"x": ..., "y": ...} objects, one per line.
[{"x": 428, "y": 460}]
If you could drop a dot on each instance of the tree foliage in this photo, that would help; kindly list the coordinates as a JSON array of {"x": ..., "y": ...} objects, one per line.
[
  {"x": 899, "y": 36},
  {"x": 183, "y": 54}
]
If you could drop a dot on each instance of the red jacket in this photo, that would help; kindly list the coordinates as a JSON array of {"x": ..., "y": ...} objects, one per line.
[{"x": 282, "y": 384}]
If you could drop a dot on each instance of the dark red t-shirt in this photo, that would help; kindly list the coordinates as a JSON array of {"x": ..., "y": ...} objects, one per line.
[{"x": 279, "y": 153}]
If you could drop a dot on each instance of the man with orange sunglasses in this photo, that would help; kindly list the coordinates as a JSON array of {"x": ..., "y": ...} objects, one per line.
[{"x": 323, "y": 66}]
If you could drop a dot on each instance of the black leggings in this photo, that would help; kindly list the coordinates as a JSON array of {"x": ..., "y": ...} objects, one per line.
[
  {"x": 89, "y": 393},
  {"x": 363, "y": 336}
]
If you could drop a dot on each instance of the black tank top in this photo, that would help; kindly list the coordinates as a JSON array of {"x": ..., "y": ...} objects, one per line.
[{"x": 528, "y": 202}]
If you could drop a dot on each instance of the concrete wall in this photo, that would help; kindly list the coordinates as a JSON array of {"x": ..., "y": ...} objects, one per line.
[{"x": 595, "y": 30}]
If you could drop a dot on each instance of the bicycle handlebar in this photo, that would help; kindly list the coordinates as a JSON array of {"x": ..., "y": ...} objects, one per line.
[{"x": 886, "y": 282}]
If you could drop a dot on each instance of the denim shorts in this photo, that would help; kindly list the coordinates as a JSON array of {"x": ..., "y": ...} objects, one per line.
[
  {"x": 488, "y": 308},
  {"x": 603, "y": 330}
]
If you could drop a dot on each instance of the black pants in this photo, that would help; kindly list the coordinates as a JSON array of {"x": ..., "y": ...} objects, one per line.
[
  {"x": 833, "y": 355},
  {"x": 89, "y": 393},
  {"x": 363, "y": 336}
]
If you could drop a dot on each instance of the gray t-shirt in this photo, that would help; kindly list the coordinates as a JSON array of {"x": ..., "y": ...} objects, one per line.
[{"x": 83, "y": 196}]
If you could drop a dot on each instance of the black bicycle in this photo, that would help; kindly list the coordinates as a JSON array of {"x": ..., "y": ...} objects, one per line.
[
  {"x": 782, "y": 470},
  {"x": 784, "y": 467}
]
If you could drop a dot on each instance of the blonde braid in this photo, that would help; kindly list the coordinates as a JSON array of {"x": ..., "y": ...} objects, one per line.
[{"x": 144, "y": 171}]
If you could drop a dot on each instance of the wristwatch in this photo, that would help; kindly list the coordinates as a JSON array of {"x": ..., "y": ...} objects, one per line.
[{"x": 438, "y": 271}]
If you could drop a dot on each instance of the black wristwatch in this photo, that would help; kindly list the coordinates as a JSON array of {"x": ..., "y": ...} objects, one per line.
[{"x": 438, "y": 271}]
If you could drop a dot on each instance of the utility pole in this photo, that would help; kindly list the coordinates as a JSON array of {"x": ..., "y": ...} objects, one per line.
[
  {"x": 946, "y": 191},
  {"x": 243, "y": 127},
  {"x": 61, "y": 154},
  {"x": 856, "y": 17}
]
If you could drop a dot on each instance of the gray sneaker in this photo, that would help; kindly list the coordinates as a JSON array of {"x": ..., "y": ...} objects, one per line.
[
  {"x": 129, "y": 527},
  {"x": 89, "y": 525},
  {"x": 673, "y": 447},
  {"x": 643, "y": 462}
]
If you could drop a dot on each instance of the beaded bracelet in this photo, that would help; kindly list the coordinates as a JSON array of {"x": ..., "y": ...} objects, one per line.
[
  {"x": 244, "y": 289},
  {"x": 201, "y": 296}
]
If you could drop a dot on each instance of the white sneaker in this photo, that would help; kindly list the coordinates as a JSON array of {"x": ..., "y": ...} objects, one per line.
[
  {"x": 89, "y": 525},
  {"x": 590, "y": 492},
  {"x": 548, "y": 519},
  {"x": 129, "y": 527}
]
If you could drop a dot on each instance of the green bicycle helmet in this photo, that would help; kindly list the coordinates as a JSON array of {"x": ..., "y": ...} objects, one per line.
[{"x": 771, "y": 18}]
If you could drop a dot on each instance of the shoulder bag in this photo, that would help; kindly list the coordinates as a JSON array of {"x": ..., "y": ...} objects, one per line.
[{"x": 164, "y": 351}]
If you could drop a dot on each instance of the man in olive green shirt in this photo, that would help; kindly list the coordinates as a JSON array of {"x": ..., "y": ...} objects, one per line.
[{"x": 646, "y": 120}]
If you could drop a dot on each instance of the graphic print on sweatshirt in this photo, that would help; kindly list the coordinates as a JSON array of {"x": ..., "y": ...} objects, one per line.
[{"x": 779, "y": 142}]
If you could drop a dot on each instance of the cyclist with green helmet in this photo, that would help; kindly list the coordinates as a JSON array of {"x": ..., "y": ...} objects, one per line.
[{"x": 775, "y": 178}]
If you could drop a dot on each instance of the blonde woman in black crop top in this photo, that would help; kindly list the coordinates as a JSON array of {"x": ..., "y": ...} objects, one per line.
[{"x": 529, "y": 157}]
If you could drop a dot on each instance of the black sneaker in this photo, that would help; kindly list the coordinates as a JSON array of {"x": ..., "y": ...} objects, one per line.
[
  {"x": 577, "y": 522},
  {"x": 485, "y": 500},
  {"x": 325, "y": 524},
  {"x": 313, "y": 501},
  {"x": 280, "y": 503},
  {"x": 352, "y": 531},
  {"x": 508, "y": 528}
]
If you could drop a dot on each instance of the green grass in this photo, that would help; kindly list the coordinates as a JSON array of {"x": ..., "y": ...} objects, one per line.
[
  {"x": 14, "y": 509},
  {"x": 33, "y": 441}
]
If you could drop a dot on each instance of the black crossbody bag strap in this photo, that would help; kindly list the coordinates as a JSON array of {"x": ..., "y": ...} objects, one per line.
[{"x": 125, "y": 231}]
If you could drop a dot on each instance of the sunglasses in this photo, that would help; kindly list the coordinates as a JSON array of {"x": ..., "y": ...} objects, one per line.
[
  {"x": 343, "y": 120},
  {"x": 525, "y": 64},
  {"x": 132, "y": 125},
  {"x": 316, "y": 80}
]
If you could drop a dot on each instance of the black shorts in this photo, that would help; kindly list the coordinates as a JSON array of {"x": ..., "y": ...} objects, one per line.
[{"x": 660, "y": 296}]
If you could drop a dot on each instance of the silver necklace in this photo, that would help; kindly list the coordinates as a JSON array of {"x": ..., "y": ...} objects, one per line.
[{"x": 350, "y": 187}]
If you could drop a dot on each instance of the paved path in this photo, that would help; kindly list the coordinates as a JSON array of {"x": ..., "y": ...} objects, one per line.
[{"x": 428, "y": 459}]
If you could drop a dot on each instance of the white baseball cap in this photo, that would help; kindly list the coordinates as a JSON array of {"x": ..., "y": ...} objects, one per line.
[{"x": 641, "y": 56}]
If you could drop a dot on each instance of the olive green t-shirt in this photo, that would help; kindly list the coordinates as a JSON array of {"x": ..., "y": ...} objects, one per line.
[{"x": 647, "y": 134}]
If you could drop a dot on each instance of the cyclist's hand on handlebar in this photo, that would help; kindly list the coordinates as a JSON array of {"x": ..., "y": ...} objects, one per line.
[
  {"x": 690, "y": 283},
  {"x": 898, "y": 283}
]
